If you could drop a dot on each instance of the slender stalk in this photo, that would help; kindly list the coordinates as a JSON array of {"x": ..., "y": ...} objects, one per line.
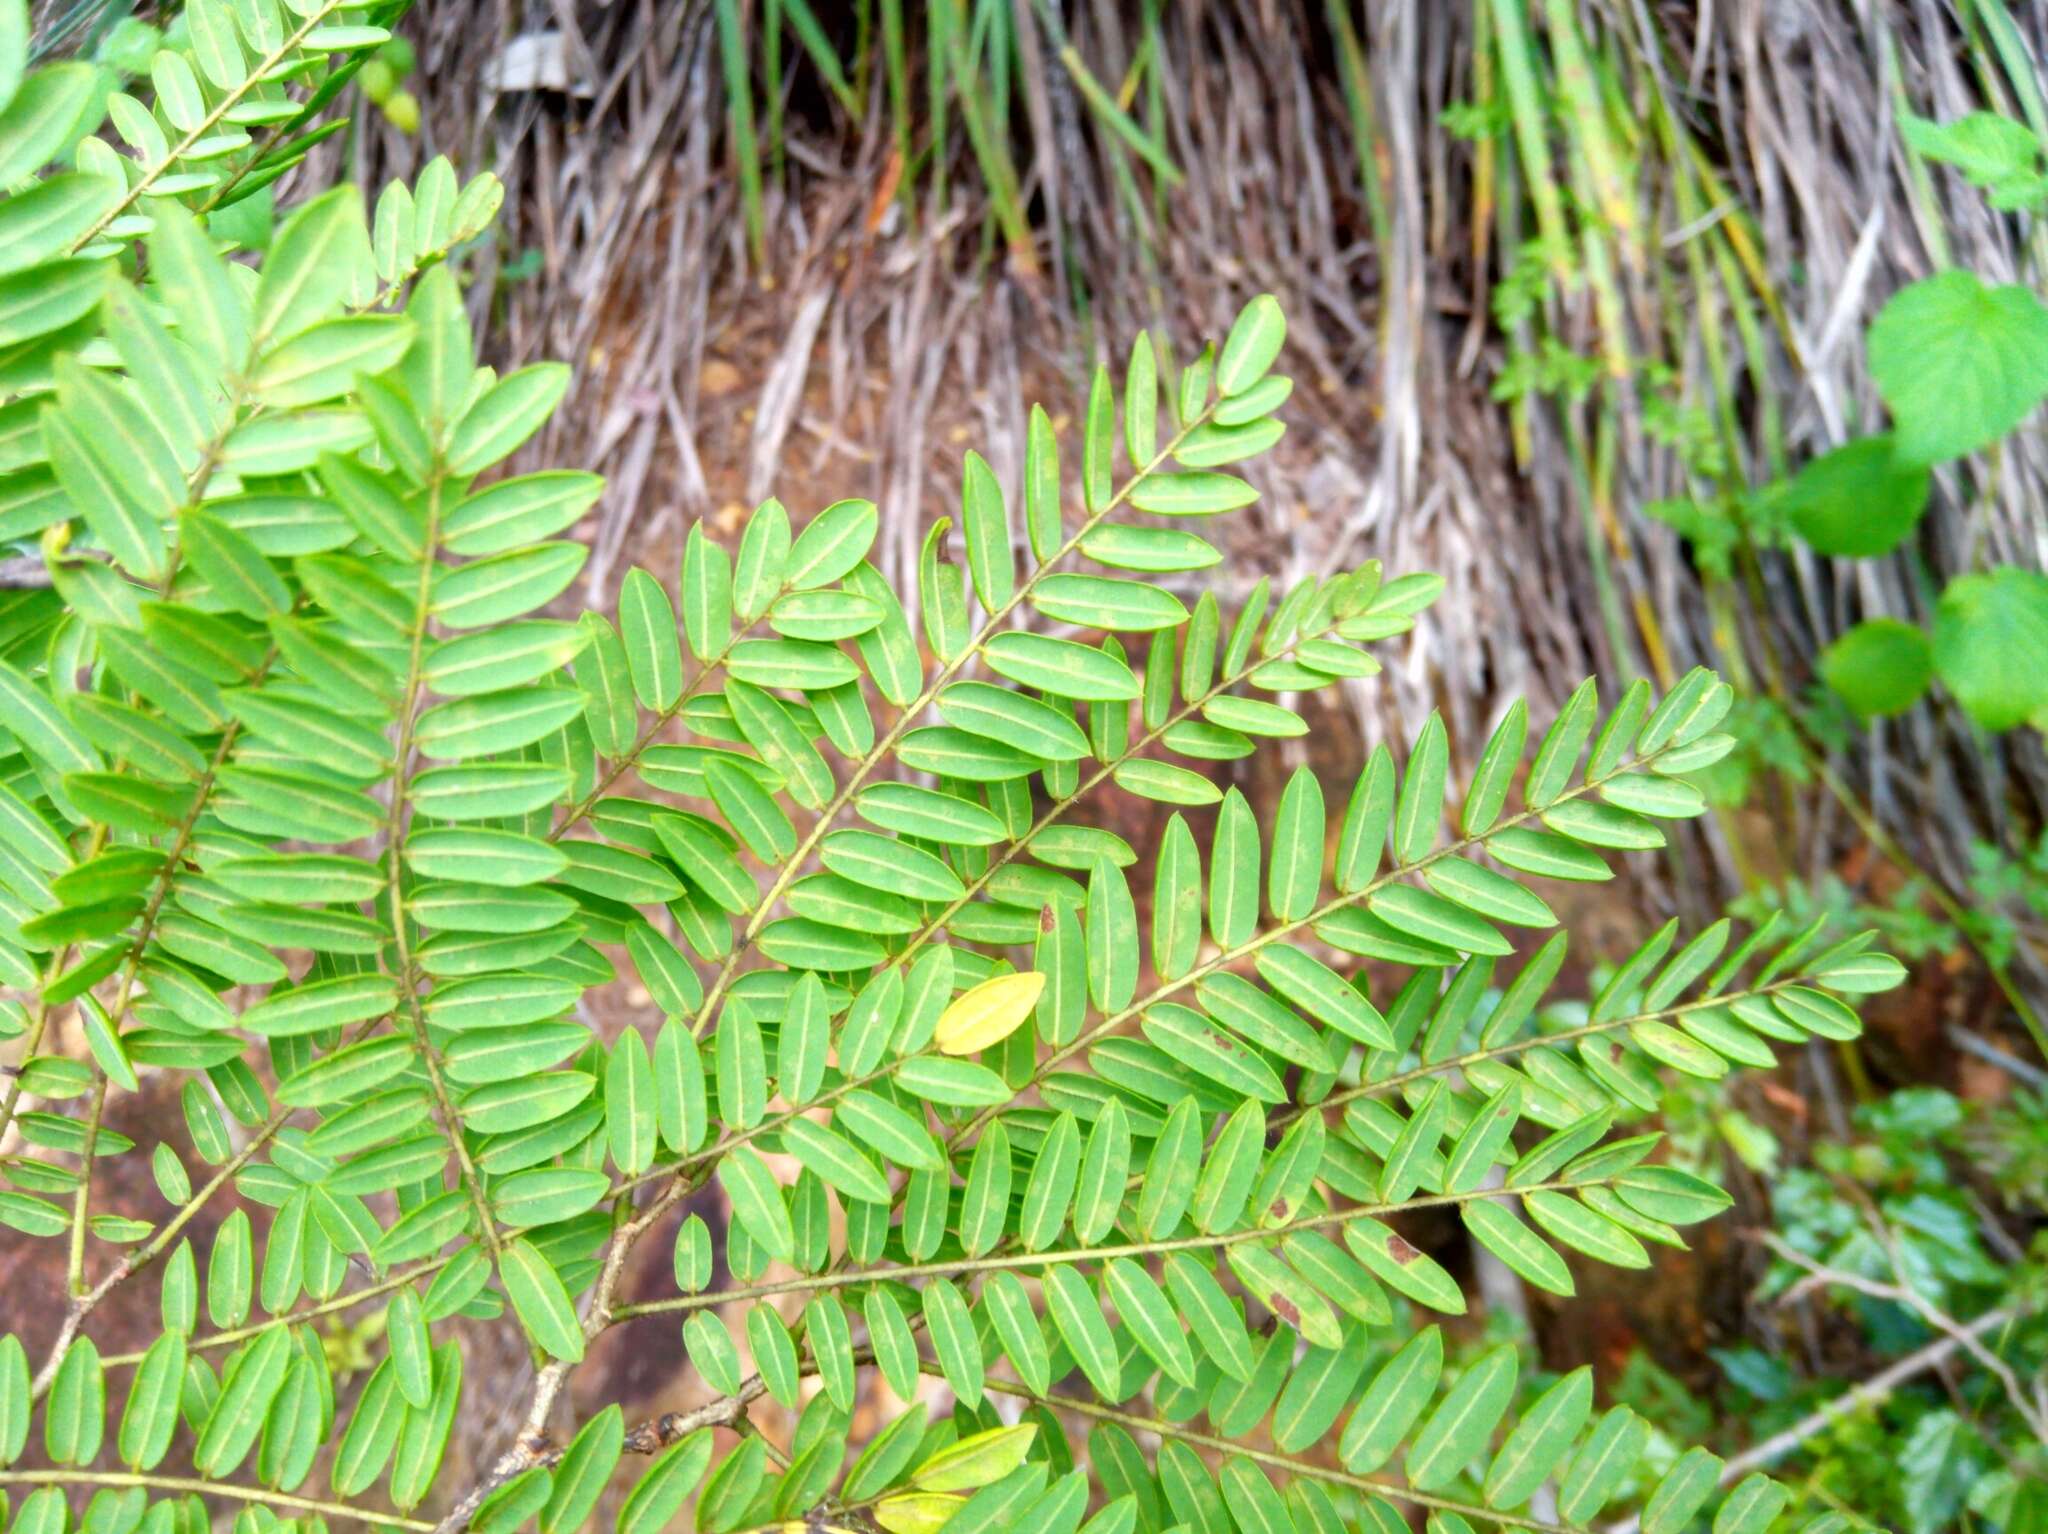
[
  {"x": 994, "y": 1262},
  {"x": 125, "y": 995},
  {"x": 38, "y": 1019},
  {"x": 794, "y": 864},
  {"x": 71, "y": 1476},
  {"x": 1533, "y": 1041},
  {"x": 627, "y": 760},
  {"x": 75, "y": 1265},
  {"x": 1230, "y": 957},
  {"x": 142, "y": 1256},
  {"x": 394, "y": 836},
  {"x": 199, "y": 130},
  {"x": 1181, "y": 1433}
]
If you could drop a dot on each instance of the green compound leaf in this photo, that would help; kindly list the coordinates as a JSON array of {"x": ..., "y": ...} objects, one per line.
[{"x": 314, "y": 807}]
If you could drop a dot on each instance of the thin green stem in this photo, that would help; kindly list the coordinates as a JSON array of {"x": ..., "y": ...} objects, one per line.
[
  {"x": 394, "y": 837},
  {"x": 340, "y": 1302},
  {"x": 199, "y": 130},
  {"x": 993, "y": 1262},
  {"x": 75, "y": 1266},
  {"x": 1181, "y": 1433},
  {"x": 1532, "y": 1041},
  {"x": 1059, "y": 807},
  {"x": 1229, "y": 957},
  {"x": 627, "y": 760},
  {"x": 130, "y": 965},
  {"x": 38, "y": 1024},
  {"x": 142, "y": 1256},
  {"x": 71, "y": 1476},
  {"x": 909, "y": 715}
]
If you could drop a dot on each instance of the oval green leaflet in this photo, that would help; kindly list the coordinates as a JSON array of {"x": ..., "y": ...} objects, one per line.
[
  {"x": 660, "y": 1492},
  {"x": 541, "y": 1300}
]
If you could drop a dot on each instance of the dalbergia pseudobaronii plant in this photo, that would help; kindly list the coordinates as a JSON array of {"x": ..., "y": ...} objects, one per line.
[{"x": 306, "y": 810}]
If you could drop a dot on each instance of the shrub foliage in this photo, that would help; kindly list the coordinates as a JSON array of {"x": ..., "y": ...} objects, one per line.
[{"x": 307, "y": 810}]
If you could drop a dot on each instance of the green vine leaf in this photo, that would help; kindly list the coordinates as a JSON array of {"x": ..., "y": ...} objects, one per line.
[{"x": 1960, "y": 363}]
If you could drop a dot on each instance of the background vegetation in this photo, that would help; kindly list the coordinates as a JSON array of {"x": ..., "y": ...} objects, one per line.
[
  {"x": 1585, "y": 302},
  {"x": 1667, "y": 334}
]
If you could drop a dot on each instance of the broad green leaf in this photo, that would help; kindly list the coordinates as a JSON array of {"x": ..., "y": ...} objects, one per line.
[
  {"x": 320, "y": 363},
  {"x": 48, "y": 110},
  {"x": 1959, "y": 363},
  {"x": 15, "y": 1406},
  {"x": 1234, "y": 873},
  {"x": 831, "y": 544},
  {"x": 953, "y": 1340},
  {"x": 247, "y": 1388},
  {"x": 1402, "y": 1266},
  {"x": 629, "y": 1104},
  {"x": 976, "y": 1460},
  {"x": 1985, "y": 628},
  {"x": 151, "y": 1415},
  {"x": 835, "y": 1161},
  {"x": 1061, "y": 667},
  {"x": 1191, "y": 493},
  {"x": 1682, "y": 1492},
  {"x": 1078, "y": 1315},
  {"x": 1495, "y": 1227},
  {"x": 1105, "y": 602},
  {"x": 509, "y": 412},
  {"x": 757, "y": 1201},
  {"x": 512, "y": 513},
  {"x": 1879, "y": 667},
  {"x": 887, "y": 1455},
  {"x": 74, "y": 1412},
  {"x": 1392, "y": 1403},
  {"x": 659, "y": 1494},
  {"x": 1860, "y": 500},
  {"x": 584, "y": 1470},
  {"x": 1143, "y": 1306},
  {"x": 985, "y": 525}
]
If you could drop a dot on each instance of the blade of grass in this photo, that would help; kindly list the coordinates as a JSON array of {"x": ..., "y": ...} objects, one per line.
[
  {"x": 1525, "y": 104},
  {"x": 991, "y": 152},
  {"x": 803, "y": 21},
  {"x": 771, "y": 72},
  {"x": 1584, "y": 118},
  {"x": 739, "y": 107},
  {"x": 896, "y": 64},
  {"x": 939, "y": 50}
]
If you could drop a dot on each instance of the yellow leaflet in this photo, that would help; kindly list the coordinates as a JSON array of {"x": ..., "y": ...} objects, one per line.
[{"x": 989, "y": 1013}]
